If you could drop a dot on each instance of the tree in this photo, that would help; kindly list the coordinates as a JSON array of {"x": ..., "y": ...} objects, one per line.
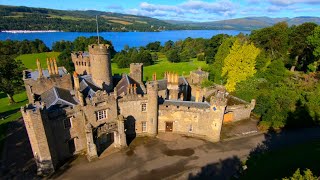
[
  {"x": 168, "y": 45},
  {"x": 307, "y": 175},
  {"x": 221, "y": 54},
  {"x": 239, "y": 64},
  {"x": 173, "y": 55},
  {"x": 10, "y": 76},
  {"x": 272, "y": 39},
  {"x": 154, "y": 46},
  {"x": 301, "y": 51},
  {"x": 314, "y": 40}
]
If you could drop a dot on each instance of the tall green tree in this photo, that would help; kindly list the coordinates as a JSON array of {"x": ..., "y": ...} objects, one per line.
[
  {"x": 273, "y": 40},
  {"x": 239, "y": 64},
  {"x": 301, "y": 52},
  {"x": 10, "y": 76},
  {"x": 222, "y": 53},
  {"x": 314, "y": 40}
]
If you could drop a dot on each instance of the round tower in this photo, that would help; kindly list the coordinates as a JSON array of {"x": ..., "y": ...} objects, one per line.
[
  {"x": 100, "y": 65},
  {"x": 152, "y": 108}
]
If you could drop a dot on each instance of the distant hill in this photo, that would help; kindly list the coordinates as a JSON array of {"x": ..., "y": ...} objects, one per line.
[
  {"x": 28, "y": 18},
  {"x": 248, "y": 23}
]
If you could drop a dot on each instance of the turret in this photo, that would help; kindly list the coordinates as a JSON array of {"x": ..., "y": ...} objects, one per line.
[
  {"x": 100, "y": 66},
  {"x": 152, "y": 108}
]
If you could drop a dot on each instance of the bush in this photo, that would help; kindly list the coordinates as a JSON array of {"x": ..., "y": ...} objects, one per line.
[{"x": 200, "y": 57}]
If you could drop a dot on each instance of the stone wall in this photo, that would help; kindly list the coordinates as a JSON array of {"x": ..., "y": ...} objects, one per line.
[
  {"x": 240, "y": 110},
  {"x": 42, "y": 85},
  {"x": 81, "y": 63},
  {"x": 203, "y": 123},
  {"x": 33, "y": 119},
  {"x": 131, "y": 108}
]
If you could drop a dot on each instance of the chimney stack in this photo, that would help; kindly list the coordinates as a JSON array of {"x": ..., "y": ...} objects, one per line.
[
  {"x": 197, "y": 95},
  {"x": 39, "y": 69},
  {"x": 55, "y": 67},
  {"x": 49, "y": 67},
  {"x": 76, "y": 81}
]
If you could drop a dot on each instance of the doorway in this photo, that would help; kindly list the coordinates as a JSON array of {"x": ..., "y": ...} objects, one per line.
[{"x": 169, "y": 126}]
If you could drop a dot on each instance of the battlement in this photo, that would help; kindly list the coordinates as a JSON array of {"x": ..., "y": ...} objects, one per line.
[
  {"x": 79, "y": 54},
  {"x": 99, "y": 49}
]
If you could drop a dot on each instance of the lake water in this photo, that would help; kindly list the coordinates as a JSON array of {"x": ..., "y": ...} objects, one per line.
[{"x": 119, "y": 39}]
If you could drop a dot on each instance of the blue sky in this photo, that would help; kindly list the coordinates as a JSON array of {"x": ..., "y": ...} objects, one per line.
[{"x": 193, "y": 10}]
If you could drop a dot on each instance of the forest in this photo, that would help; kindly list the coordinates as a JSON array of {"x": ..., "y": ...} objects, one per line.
[
  {"x": 27, "y": 18},
  {"x": 278, "y": 66}
]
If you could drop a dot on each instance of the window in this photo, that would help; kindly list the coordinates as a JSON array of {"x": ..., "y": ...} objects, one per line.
[
  {"x": 144, "y": 126},
  {"x": 67, "y": 123},
  {"x": 101, "y": 114},
  {"x": 144, "y": 107}
]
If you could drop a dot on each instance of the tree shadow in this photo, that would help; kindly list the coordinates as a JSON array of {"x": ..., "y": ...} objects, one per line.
[
  {"x": 300, "y": 117},
  {"x": 282, "y": 153},
  {"x": 225, "y": 169}
]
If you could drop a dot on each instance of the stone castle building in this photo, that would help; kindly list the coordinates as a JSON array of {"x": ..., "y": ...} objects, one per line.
[{"x": 91, "y": 110}]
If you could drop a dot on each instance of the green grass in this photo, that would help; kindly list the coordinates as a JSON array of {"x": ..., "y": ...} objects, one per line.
[
  {"x": 163, "y": 65},
  {"x": 29, "y": 60},
  {"x": 283, "y": 162},
  {"x": 9, "y": 112}
]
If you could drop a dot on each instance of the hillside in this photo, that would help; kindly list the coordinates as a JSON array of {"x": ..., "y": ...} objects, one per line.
[
  {"x": 247, "y": 23},
  {"x": 27, "y": 18}
]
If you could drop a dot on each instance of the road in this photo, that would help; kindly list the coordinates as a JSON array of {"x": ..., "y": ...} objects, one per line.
[{"x": 169, "y": 156}]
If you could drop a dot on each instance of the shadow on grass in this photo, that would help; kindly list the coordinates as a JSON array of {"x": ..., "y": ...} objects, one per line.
[
  {"x": 2, "y": 95},
  {"x": 9, "y": 112},
  {"x": 225, "y": 169},
  {"x": 281, "y": 154}
]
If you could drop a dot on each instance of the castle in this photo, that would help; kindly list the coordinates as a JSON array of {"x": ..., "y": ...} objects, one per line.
[{"x": 91, "y": 110}]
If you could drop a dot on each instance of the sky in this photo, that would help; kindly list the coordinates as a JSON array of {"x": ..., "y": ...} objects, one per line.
[{"x": 188, "y": 10}]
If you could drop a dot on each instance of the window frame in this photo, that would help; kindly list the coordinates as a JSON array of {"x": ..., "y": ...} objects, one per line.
[
  {"x": 101, "y": 114},
  {"x": 144, "y": 126},
  {"x": 143, "y": 107}
]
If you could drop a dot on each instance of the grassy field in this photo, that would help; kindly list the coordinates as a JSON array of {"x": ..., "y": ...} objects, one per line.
[
  {"x": 29, "y": 60},
  {"x": 163, "y": 65},
  {"x": 283, "y": 162},
  {"x": 9, "y": 112}
]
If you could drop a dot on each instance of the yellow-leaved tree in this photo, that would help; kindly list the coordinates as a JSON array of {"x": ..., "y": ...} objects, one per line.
[{"x": 240, "y": 63}]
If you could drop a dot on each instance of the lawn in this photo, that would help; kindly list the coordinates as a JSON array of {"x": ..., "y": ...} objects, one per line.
[
  {"x": 29, "y": 60},
  {"x": 9, "y": 112},
  {"x": 283, "y": 162},
  {"x": 163, "y": 65}
]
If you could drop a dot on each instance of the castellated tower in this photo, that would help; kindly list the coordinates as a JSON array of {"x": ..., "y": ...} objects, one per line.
[
  {"x": 136, "y": 72},
  {"x": 100, "y": 65},
  {"x": 152, "y": 108}
]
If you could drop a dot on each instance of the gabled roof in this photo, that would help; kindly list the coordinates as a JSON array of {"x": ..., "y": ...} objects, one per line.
[
  {"x": 200, "y": 105},
  {"x": 58, "y": 97},
  {"x": 87, "y": 87},
  {"x": 122, "y": 86}
]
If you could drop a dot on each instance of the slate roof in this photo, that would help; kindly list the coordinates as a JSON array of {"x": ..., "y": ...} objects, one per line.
[
  {"x": 200, "y": 105},
  {"x": 35, "y": 74},
  {"x": 58, "y": 97},
  {"x": 87, "y": 87},
  {"x": 124, "y": 82}
]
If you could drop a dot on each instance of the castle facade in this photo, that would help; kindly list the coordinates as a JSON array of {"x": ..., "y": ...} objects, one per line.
[{"x": 91, "y": 110}]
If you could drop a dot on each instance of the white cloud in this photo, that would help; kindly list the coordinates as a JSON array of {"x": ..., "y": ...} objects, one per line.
[{"x": 291, "y": 2}]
